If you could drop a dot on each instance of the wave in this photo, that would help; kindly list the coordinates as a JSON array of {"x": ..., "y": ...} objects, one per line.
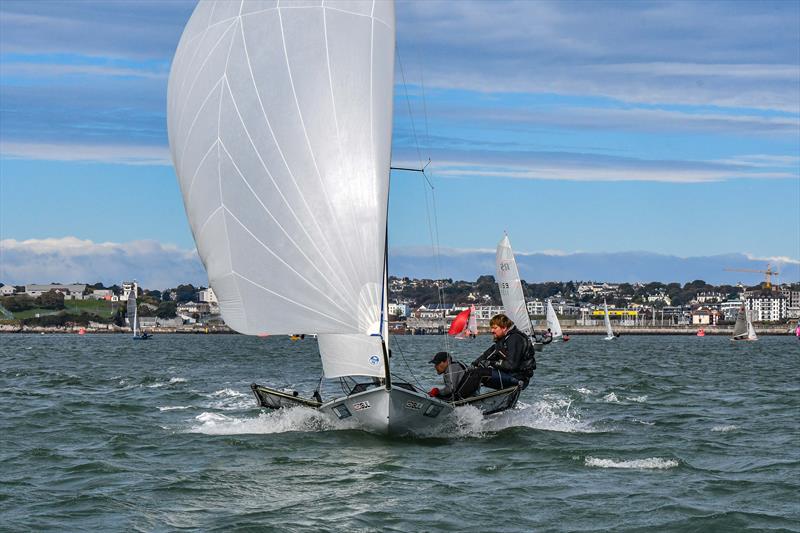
[
  {"x": 725, "y": 429},
  {"x": 280, "y": 421},
  {"x": 611, "y": 398},
  {"x": 229, "y": 400},
  {"x": 651, "y": 463}
]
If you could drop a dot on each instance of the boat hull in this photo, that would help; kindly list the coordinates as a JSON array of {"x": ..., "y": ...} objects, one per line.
[
  {"x": 391, "y": 412},
  {"x": 494, "y": 401},
  {"x": 398, "y": 411}
]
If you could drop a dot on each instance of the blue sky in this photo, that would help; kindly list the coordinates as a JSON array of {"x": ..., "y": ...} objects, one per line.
[{"x": 578, "y": 127}]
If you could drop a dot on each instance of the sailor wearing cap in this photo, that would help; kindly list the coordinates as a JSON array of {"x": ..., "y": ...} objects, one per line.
[{"x": 452, "y": 373}]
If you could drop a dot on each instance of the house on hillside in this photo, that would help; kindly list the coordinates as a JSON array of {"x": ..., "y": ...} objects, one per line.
[{"x": 73, "y": 291}]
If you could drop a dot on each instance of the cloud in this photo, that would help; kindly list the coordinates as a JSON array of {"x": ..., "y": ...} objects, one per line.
[
  {"x": 462, "y": 264},
  {"x": 69, "y": 259},
  {"x": 95, "y": 153},
  {"x": 143, "y": 29},
  {"x": 573, "y": 166},
  {"x": 698, "y": 53}
]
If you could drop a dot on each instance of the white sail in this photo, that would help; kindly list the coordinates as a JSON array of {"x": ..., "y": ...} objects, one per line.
[
  {"x": 472, "y": 324},
  {"x": 552, "y": 321},
  {"x": 740, "y": 328},
  {"x": 609, "y": 331},
  {"x": 132, "y": 312},
  {"x": 280, "y": 132},
  {"x": 511, "y": 287},
  {"x": 751, "y": 331}
]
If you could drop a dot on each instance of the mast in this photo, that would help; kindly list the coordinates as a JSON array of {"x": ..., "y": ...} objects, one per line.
[{"x": 384, "y": 303}]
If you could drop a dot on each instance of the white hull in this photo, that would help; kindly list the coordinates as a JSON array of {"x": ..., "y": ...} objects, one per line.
[
  {"x": 392, "y": 412},
  {"x": 397, "y": 412}
]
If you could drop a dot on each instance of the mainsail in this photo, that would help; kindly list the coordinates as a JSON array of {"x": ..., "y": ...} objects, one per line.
[
  {"x": 132, "y": 312},
  {"x": 740, "y": 327},
  {"x": 280, "y": 130},
  {"x": 751, "y": 331},
  {"x": 552, "y": 321},
  {"x": 472, "y": 326},
  {"x": 511, "y": 287},
  {"x": 743, "y": 328},
  {"x": 609, "y": 331}
]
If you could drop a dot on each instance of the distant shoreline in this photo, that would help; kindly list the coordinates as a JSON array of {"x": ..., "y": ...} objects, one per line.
[{"x": 224, "y": 330}]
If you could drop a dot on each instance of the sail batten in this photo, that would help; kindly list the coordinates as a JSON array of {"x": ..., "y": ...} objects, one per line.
[{"x": 280, "y": 130}]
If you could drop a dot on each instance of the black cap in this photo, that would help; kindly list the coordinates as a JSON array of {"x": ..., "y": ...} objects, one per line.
[{"x": 439, "y": 357}]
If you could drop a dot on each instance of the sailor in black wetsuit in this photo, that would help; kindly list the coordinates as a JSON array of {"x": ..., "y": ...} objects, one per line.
[{"x": 500, "y": 365}]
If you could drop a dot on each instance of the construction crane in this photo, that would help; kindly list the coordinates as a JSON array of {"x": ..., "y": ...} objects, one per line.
[{"x": 768, "y": 273}]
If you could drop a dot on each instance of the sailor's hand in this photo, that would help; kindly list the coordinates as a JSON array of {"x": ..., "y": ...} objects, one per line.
[{"x": 434, "y": 392}]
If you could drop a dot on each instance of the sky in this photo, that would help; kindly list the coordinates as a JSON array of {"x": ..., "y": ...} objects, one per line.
[{"x": 582, "y": 129}]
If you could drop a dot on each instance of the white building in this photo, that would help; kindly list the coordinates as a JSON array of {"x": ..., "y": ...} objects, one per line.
[
  {"x": 398, "y": 309},
  {"x": 708, "y": 297},
  {"x": 535, "y": 307},
  {"x": 486, "y": 312},
  {"x": 73, "y": 291},
  {"x": 7, "y": 290},
  {"x": 730, "y": 308},
  {"x": 768, "y": 307},
  {"x": 208, "y": 296},
  {"x": 127, "y": 287}
]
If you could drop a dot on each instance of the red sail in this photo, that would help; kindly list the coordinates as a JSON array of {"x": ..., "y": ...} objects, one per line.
[{"x": 459, "y": 323}]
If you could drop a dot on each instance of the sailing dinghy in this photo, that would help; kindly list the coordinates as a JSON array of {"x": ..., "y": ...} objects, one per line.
[
  {"x": 132, "y": 312},
  {"x": 552, "y": 322},
  {"x": 508, "y": 281},
  {"x": 465, "y": 324},
  {"x": 280, "y": 128},
  {"x": 743, "y": 329},
  {"x": 609, "y": 332}
]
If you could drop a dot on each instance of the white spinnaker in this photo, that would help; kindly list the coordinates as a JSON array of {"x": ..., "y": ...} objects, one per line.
[
  {"x": 279, "y": 118},
  {"x": 609, "y": 331},
  {"x": 552, "y": 321},
  {"x": 511, "y": 287}
]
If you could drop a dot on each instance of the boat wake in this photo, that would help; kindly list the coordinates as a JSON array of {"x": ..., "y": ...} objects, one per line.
[
  {"x": 548, "y": 414},
  {"x": 300, "y": 419}
]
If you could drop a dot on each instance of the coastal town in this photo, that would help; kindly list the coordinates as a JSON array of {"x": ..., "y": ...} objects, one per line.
[{"x": 420, "y": 306}]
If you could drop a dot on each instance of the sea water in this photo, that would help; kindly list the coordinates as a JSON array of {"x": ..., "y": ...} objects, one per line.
[{"x": 104, "y": 433}]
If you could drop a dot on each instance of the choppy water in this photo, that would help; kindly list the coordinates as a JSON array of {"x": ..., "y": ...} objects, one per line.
[{"x": 103, "y": 433}]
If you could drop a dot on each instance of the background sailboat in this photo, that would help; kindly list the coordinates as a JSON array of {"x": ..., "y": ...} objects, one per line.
[
  {"x": 511, "y": 287},
  {"x": 465, "y": 324},
  {"x": 552, "y": 322},
  {"x": 132, "y": 312},
  {"x": 743, "y": 329},
  {"x": 511, "y": 293},
  {"x": 609, "y": 332}
]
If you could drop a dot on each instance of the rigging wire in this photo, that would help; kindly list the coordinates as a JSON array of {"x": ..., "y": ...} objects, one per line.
[
  {"x": 405, "y": 361},
  {"x": 430, "y": 204}
]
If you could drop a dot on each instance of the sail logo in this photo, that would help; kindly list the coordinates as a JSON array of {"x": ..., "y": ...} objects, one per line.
[
  {"x": 374, "y": 360},
  {"x": 505, "y": 267}
]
